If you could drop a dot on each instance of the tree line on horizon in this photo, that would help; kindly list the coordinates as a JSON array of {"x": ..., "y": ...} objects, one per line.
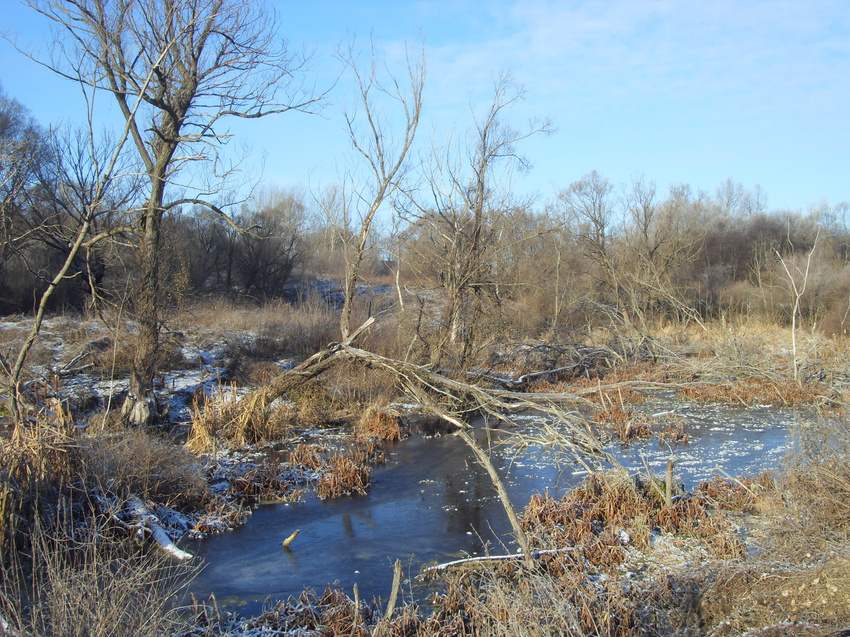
[{"x": 593, "y": 248}]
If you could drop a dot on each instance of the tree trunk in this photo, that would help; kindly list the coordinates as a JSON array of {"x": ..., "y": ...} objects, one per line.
[{"x": 141, "y": 407}]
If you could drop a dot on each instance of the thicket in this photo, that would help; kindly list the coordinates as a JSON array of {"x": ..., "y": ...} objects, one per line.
[{"x": 597, "y": 254}]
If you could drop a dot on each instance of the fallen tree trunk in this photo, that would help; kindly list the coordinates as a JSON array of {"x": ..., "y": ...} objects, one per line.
[
  {"x": 455, "y": 402},
  {"x": 145, "y": 520},
  {"x": 142, "y": 521}
]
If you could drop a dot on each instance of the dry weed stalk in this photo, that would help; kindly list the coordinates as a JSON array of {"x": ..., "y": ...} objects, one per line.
[{"x": 306, "y": 456}]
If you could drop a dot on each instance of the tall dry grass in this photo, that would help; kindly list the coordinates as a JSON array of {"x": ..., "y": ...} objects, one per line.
[
  {"x": 97, "y": 586},
  {"x": 68, "y": 569},
  {"x": 278, "y": 328},
  {"x": 225, "y": 419}
]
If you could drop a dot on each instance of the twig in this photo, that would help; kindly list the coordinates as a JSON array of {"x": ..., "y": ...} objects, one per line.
[{"x": 437, "y": 568}]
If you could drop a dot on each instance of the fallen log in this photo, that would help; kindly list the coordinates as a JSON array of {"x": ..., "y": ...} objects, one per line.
[{"x": 144, "y": 519}]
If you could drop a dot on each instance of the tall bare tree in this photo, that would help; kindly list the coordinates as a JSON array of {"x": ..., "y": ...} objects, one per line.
[
  {"x": 384, "y": 154},
  {"x": 469, "y": 191},
  {"x": 588, "y": 207},
  {"x": 195, "y": 64}
]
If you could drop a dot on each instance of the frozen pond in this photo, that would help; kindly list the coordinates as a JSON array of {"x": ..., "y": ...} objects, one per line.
[{"x": 432, "y": 503}]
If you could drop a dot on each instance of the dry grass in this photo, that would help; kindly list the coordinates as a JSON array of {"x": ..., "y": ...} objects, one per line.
[
  {"x": 510, "y": 603},
  {"x": 65, "y": 569},
  {"x": 266, "y": 483},
  {"x": 315, "y": 406},
  {"x": 377, "y": 423},
  {"x": 278, "y": 328},
  {"x": 306, "y": 456},
  {"x": 331, "y": 613},
  {"x": 816, "y": 483},
  {"x": 357, "y": 386},
  {"x": 674, "y": 433},
  {"x": 104, "y": 588},
  {"x": 747, "y": 495},
  {"x": 225, "y": 418},
  {"x": 342, "y": 474},
  {"x": 40, "y": 463},
  {"x": 757, "y": 390},
  {"x": 138, "y": 462},
  {"x": 779, "y": 598},
  {"x": 625, "y": 424}
]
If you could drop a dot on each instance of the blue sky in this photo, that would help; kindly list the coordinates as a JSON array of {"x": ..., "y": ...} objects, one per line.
[{"x": 679, "y": 91}]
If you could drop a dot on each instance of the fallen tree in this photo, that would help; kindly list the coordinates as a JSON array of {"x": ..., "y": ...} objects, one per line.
[
  {"x": 457, "y": 402},
  {"x": 135, "y": 516}
]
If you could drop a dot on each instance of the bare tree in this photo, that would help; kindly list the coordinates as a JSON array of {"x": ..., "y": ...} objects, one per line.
[
  {"x": 796, "y": 282},
  {"x": 587, "y": 207},
  {"x": 86, "y": 181},
  {"x": 384, "y": 155},
  {"x": 730, "y": 197},
  {"x": 659, "y": 239},
  {"x": 469, "y": 190},
  {"x": 269, "y": 244},
  {"x": 194, "y": 64}
]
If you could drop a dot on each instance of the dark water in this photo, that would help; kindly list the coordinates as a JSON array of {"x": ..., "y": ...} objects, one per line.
[{"x": 432, "y": 503}]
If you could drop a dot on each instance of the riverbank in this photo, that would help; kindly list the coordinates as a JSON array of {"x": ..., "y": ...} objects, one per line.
[{"x": 661, "y": 567}]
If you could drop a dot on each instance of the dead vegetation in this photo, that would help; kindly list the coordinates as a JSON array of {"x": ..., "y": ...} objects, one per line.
[
  {"x": 757, "y": 390},
  {"x": 623, "y": 560}
]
